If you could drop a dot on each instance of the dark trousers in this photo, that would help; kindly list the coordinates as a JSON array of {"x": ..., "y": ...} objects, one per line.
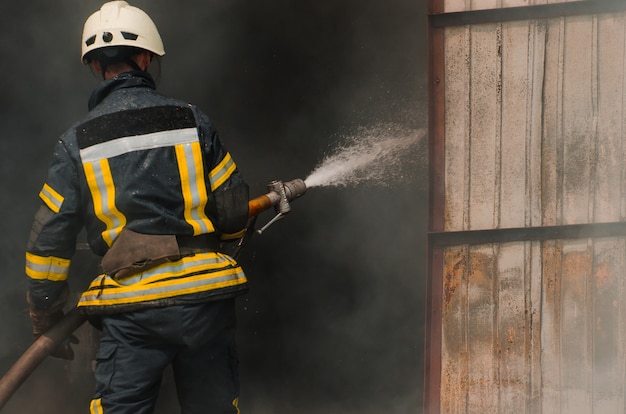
[{"x": 197, "y": 340}]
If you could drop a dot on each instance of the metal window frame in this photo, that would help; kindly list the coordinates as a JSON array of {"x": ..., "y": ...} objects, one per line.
[
  {"x": 438, "y": 239},
  {"x": 533, "y": 12}
]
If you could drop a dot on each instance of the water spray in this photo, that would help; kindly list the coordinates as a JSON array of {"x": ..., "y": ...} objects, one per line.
[{"x": 381, "y": 155}]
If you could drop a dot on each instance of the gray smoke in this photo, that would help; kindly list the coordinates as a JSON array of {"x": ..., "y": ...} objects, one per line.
[{"x": 333, "y": 322}]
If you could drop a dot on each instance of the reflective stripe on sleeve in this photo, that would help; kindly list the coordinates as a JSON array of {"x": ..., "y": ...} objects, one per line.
[
  {"x": 51, "y": 198},
  {"x": 222, "y": 172},
  {"x": 47, "y": 268},
  {"x": 95, "y": 407},
  {"x": 233, "y": 236}
]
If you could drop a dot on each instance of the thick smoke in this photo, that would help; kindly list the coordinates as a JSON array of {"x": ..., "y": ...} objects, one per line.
[{"x": 333, "y": 322}]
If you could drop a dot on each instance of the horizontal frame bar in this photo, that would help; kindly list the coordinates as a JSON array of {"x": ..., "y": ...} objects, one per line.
[
  {"x": 571, "y": 231},
  {"x": 534, "y": 12}
]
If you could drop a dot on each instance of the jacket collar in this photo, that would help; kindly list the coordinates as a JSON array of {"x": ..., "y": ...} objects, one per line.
[{"x": 132, "y": 79}]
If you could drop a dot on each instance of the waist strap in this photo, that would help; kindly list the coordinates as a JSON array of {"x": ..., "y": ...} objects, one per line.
[
  {"x": 194, "y": 244},
  {"x": 136, "y": 252}
]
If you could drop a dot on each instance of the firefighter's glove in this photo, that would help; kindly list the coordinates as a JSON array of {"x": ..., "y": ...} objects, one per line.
[
  {"x": 43, "y": 320},
  {"x": 64, "y": 350}
]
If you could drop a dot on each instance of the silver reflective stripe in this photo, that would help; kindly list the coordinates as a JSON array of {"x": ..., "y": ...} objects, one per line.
[
  {"x": 222, "y": 171},
  {"x": 176, "y": 268},
  {"x": 104, "y": 200},
  {"x": 186, "y": 285},
  {"x": 194, "y": 187},
  {"x": 47, "y": 268},
  {"x": 125, "y": 145},
  {"x": 188, "y": 276},
  {"x": 53, "y": 200}
]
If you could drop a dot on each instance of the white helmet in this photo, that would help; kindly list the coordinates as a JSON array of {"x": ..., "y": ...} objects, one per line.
[{"x": 119, "y": 24}]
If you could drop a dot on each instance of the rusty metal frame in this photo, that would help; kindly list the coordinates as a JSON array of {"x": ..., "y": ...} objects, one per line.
[
  {"x": 438, "y": 239},
  {"x": 570, "y": 231},
  {"x": 436, "y": 199},
  {"x": 543, "y": 11}
]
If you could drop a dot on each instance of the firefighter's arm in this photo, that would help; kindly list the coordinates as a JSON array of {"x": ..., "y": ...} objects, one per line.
[
  {"x": 229, "y": 192},
  {"x": 51, "y": 244}
]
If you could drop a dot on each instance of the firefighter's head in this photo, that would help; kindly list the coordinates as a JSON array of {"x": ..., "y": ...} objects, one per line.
[{"x": 120, "y": 34}]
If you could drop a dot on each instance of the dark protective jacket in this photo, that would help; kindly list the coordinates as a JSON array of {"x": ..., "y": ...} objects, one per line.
[{"x": 151, "y": 164}]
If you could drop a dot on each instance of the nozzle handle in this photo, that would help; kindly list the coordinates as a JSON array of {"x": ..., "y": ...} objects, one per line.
[
  {"x": 284, "y": 193},
  {"x": 282, "y": 207}
]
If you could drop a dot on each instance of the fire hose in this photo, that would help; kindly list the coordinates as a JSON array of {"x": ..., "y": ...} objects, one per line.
[{"x": 279, "y": 196}]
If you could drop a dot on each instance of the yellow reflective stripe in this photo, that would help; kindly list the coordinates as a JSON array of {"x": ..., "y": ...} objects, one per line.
[
  {"x": 51, "y": 198},
  {"x": 95, "y": 407},
  {"x": 121, "y": 295},
  {"x": 47, "y": 267},
  {"x": 200, "y": 262},
  {"x": 100, "y": 181},
  {"x": 191, "y": 170},
  {"x": 222, "y": 172},
  {"x": 194, "y": 274},
  {"x": 233, "y": 236},
  {"x": 235, "y": 404}
]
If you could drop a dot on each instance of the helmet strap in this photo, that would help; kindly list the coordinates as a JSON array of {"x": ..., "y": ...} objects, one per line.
[
  {"x": 116, "y": 55},
  {"x": 104, "y": 63},
  {"x": 130, "y": 62}
]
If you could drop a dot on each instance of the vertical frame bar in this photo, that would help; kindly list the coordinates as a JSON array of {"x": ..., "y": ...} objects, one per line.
[{"x": 436, "y": 134}]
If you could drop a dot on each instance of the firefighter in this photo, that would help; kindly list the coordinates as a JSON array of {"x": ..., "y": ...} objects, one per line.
[{"x": 157, "y": 193}]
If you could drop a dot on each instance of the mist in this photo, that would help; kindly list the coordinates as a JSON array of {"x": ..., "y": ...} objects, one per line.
[{"x": 333, "y": 322}]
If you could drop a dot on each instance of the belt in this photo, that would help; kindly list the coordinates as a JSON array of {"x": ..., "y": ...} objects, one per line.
[{"x": 196, "y": 244}]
